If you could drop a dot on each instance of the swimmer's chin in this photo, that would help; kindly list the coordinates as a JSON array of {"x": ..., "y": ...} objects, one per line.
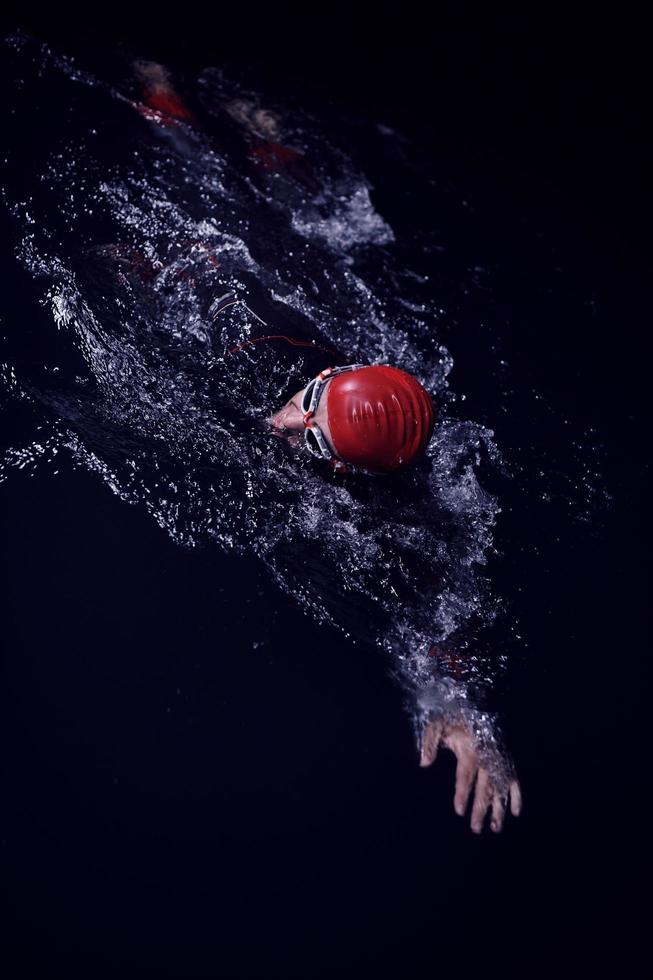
[{"x": 290, "y": 436}]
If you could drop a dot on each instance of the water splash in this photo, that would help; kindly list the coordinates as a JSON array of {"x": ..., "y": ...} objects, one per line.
[{"x": 130, "y": 245}]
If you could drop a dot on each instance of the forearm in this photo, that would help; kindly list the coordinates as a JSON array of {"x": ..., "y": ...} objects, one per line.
[{"x": 453, "y": 704}]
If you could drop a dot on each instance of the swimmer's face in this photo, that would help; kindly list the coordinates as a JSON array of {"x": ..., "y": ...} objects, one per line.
[{"x": 291, "y": 418}]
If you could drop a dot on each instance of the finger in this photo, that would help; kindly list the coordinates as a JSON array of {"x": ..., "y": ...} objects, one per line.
[
  {"x": 515, "y": 798},
  {"x": 465, "y": 773},
  {"x": 481, "y": 801},
  {"x": 498, "y": 812},
  {"x": 430, "y": 742}
]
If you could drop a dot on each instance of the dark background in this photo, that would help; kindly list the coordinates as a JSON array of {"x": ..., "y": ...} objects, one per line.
[{"x": 180, "y": 804}]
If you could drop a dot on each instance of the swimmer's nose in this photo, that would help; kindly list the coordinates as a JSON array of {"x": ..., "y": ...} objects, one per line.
[{"x": 290, "y": 417}]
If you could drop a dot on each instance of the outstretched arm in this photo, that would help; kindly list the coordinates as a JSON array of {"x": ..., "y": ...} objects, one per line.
[{"x": 484, "y": 771}]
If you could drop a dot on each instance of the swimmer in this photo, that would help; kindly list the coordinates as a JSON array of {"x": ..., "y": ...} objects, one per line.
[
  {"x": 160, "y": 102},
  {"x": 377, "y": 420},
  {"x": 262, "y": 128},
  {"x": 369, "y": 420}
]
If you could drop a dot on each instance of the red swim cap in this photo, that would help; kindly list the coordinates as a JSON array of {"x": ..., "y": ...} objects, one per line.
[{"x": 380, "y": 418}]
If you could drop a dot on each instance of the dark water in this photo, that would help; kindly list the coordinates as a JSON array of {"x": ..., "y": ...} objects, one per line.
[{"x": 203, "y": 780}]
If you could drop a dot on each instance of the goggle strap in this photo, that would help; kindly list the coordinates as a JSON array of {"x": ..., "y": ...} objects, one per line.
[{"x": 318, "y": 383}]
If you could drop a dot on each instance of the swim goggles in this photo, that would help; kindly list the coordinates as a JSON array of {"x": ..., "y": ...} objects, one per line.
[{"x": 315, "y": 441}]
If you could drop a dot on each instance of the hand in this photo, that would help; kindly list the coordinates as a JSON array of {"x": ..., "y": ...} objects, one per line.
[{"x": 491, "y": 791}]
